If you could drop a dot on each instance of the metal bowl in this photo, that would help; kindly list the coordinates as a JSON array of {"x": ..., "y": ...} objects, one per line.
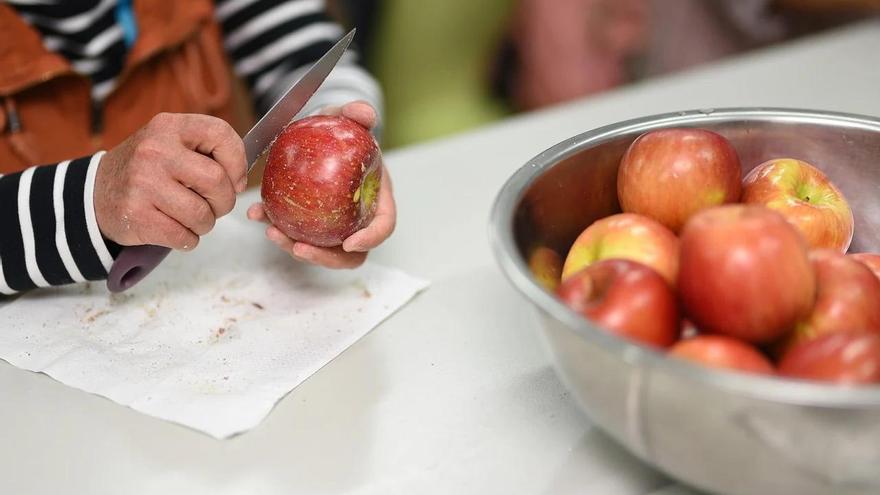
[{"x": 719, "y": 431}]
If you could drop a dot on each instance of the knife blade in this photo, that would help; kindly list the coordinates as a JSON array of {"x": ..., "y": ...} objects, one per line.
[
  {"x": 263, "y": 133},
  {"x": 136, "y": 262}
]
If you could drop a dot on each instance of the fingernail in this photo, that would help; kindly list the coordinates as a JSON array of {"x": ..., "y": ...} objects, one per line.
[{"x": 297, "y": 256}]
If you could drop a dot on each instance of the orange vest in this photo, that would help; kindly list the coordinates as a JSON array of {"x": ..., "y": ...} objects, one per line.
[{"x": 177, "y": 64}]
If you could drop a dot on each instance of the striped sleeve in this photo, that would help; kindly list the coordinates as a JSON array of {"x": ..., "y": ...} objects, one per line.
[
  {"x": 48, "y": 231},
  {"x": 273, "y": 42}
]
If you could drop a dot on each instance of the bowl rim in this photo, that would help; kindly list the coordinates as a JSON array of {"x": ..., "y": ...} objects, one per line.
[{"x": 501, "y": 239}]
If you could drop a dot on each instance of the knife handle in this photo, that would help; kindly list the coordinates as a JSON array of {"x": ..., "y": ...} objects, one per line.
[{"x": 133, "y": 264}]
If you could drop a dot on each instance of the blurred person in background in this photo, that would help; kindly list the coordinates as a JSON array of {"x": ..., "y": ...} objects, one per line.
[
  {"x": 152, "y": 82},
  {"x": 558, "y": 50},
  {"x": 451, "y": 65},
  {"x": 432, "y": 58}
]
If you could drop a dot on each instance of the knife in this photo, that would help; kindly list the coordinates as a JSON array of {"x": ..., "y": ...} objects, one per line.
[{"x": 136, "y": 262}]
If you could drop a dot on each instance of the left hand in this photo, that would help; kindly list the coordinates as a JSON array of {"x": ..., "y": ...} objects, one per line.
[{"x": 353, "y": 251}]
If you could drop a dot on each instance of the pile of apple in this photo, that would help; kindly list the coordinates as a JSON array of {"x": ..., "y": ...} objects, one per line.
[{"x": 748, "y": 274}]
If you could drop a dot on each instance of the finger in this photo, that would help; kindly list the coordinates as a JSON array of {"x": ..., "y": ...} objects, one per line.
[
  {"x": 361, "y": 112},
  {"x": 215, "y": 137},
  {"x": 185, "y": 207},
  {"x": 334, "y": 258},
  {"x": 167, "y": 232},
  {"x": 382, "y": 225},
  {"x": 257, "y": 213},
  {"x": 282, "y": 241},
  {"x": 207, "y": 178}
]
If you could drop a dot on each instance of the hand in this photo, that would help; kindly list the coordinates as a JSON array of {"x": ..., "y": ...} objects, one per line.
[
  {"x": 170, "y": 181},
  {"x": 354, "y": 249}
]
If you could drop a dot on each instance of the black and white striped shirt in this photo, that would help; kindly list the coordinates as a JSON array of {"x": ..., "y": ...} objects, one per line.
[{"x": 48, "y": 231}]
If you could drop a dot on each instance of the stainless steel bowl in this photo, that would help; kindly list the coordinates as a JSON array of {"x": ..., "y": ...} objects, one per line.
[{"x": 722, "y": 432}]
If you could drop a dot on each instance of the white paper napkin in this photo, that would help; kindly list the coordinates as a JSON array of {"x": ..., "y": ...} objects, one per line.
[{"x": 212, "y": 339}]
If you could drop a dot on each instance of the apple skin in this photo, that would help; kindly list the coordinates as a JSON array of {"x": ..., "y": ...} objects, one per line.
[
  {"x": 870, "y": 260},
  {"x": 627, "y": 298},
  {"x": 719, "y": 351},
  {"x": 546, "y": 266},
  {"x": 847, "y": 298},
  {"x": 806, "y": 198},
  {"x": 670, "y": 174},
  {"x": 322, "y": 179},
  {"x": 744, "y": 272},
  {"x": 840, "y": 357},
  {"x": 625, "y": 236}
]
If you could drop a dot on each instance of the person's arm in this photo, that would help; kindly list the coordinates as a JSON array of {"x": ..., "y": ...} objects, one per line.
[
  {"x": 273, "y": 42},
  {"x": 165, "y": 185},
  {"x": 48, "y": 231}
]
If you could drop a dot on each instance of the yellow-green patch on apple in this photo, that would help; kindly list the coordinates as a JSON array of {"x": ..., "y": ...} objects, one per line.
[
  {"x": 806, "y": 197},
  {"x": 625, "y": 236},
  {"x": 546, "y": 266}
]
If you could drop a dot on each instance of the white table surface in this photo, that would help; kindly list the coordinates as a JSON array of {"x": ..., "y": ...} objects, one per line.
[{"x": 454, "y": 394}]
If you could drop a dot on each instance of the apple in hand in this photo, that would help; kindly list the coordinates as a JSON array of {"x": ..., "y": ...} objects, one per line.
[
  {"x": 847, "y": 298},
  {"x": 807, "y": 199},
  {"x": 546, "y": 266},
  {"x": 670, "y": 174},
  {"x": 625, "y": 297},
  {"x": 718, "y": 351},
  {"x": 744, "y": 272},
  {"x": 870, "y": 260},
  {"x": 839, "y": 357},
  {"x": 625, "y": 236},
  {"x": 322, "y": 179}
]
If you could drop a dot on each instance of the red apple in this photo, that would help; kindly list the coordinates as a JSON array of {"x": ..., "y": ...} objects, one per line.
[
  {"x": 625, "y": 236},
  {"x": 870, "y": 260},
  {"x": 546, "y": 266},
  {"x": 626, "y": 298},
  {"x": 840, "y": 357},
  {"x": 322, "y": 179},
  {"x": 807, "y": 199},
  {"x": 670, "y": 174},
  {"x": 744, "y": 272},
  {"x": 847, "y": 298},
  {"x": 718, "y": 351}
]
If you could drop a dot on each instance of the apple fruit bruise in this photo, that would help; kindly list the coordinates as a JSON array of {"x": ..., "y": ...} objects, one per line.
[{"x": 322, "y": 179}]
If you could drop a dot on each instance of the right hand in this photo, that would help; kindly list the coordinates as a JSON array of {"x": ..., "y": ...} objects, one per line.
[{"x": 170, "y": 181}]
